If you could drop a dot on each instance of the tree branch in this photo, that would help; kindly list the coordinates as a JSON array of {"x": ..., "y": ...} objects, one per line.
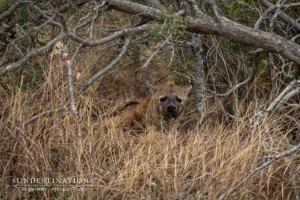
[
  {"x": 104, "y": 70},
  {"x": 158, "y": 47},
  {"x": 89, "y": 83},
  {"x": 222, "y": 27},
  {"x": 31, "y": 54},
  {"x": 37, "y": 116},
  {"x": 10, "y": 10},
  {"x": 237, "y": 86},
  {"x": 284, "y": 154},
  {"x": 74, "y": 110},
  {"x": 111, "y": 37},
  {"x": 284, "y": 96},
  {"x": 284, "y": 17}
]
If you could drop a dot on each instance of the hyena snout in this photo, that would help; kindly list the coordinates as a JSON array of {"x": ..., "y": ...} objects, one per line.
[{"x": 171, "y": 111}]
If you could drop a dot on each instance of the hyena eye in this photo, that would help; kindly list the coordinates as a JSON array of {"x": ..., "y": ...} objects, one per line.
[
  {"x": 163, "y": 99},
  {"x": 178, "y": 99}
]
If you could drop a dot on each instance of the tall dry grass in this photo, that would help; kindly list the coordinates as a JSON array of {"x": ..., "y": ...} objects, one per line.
[{"x": 201, "y": 163}]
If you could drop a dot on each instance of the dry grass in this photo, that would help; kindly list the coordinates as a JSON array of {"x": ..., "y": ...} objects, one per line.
[{"x": 203, "y": 162}]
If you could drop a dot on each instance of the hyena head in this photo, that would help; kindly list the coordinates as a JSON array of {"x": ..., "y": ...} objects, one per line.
[{"x": 169, "y": 100}]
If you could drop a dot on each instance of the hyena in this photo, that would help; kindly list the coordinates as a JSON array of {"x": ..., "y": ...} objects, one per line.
[{"x": 162, "y": 108}]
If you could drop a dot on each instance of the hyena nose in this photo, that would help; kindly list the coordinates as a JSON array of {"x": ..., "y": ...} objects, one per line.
[{"x": 171, "y": 108}]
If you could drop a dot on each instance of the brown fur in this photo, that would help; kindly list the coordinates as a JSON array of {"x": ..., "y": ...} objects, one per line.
[{"x": 163, "y": 108}]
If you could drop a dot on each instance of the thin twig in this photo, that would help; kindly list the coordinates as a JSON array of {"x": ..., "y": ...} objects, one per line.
[
  {"x": 281, "y": 155},
  {"x": 158, "y": 47},
  {"x": 156, "y": 4},
  {"x": 263, "y": 16},
  {"x": 74, "y": 110},
  {"x": 276, "y": 15},
  {"x": 11, "y": 9},
  {"x": 111, "y": 37},
  {"x": 295, "y": 38},
  {"x": 36, "y": 52},
  {"x": 37, "y": 116},
  {"x": 284, "y": 96},
  {"x": 172, "y": 57},
  {"x": 89, "y": 83},
  {"x": 195, "y": 7},
  {"x": 216, "y": 10},
  {"x": 96, "y": 15},
  {"x": 237, "y": 86},
  {"x": 104, "y": 70},
  {"x": 284, "y": 17}
]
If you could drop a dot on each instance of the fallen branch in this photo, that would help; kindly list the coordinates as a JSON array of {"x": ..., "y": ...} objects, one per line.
[{"x": 222, "y": 26}]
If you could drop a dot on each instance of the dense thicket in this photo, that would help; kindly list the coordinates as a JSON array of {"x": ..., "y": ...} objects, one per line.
[{"x": 67, "y": 68}]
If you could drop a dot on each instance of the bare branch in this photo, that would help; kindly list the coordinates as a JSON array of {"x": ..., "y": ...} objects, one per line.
[
  {"x": 136, "y": 9},
  {"x": 276, "y": 14},
  {"x": 281, "y": 155},
  {"x": 89, "y": 83},
  {"x": 78, "y": 39},
  {"x": 46, "y": 16},
  {"x": 37, "y": 116},
  {"x": 284, "y": 96},
  {"x": 74, "y": 110},
  {"x": 158, "y": 47},
  {"x": 292, "y": 5},
  {"x": 216, "y": 9},
  {"x": 111, "y": 37},
  {"x": 104, "y": 70},
  {"x": 195, "y": 7},
  {"x": 29, "y": 32},
  {"x": 224, "y": 27},
  {"x": 237, "y": 86},
  {"x": 295, "y": 38},
  {"x": 263, "y": 16},
  {"x": 11, "y": 9},
  {"x": 290, "y": 95},
  {"x": 97, "y": 9},
  {"x": 156, "y": 4},
  {"x": 284, "y": 17},
  {"x": 31, "y": 54}
]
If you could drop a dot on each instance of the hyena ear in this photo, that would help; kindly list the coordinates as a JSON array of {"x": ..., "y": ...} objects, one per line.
[
  {"x": 152, "y": 88},
  {"x": 187, "y": 89}
]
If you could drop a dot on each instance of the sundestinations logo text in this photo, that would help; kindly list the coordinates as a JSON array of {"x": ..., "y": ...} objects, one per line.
[{"x": 51, "y": 181}]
